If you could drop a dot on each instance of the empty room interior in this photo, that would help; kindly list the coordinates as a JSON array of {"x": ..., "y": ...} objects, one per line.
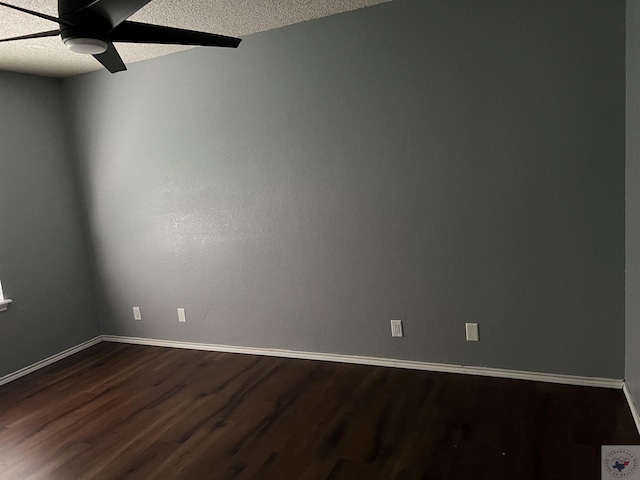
[{"x": 201, "y": 256}]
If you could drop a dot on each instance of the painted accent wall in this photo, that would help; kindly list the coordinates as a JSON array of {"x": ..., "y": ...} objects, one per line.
[
  {"x": 632, "y": 352},
  {"x": 432, "y": 161},
  {"x": 44, "y": 257}
]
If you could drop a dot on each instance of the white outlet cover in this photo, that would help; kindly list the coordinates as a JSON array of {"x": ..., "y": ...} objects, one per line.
[
  {"x": 396, "y": 328},
  {"x": 182, "y": 317},
  {"x": 136, "y": 313},
  {"x": 472, "y": 330}
]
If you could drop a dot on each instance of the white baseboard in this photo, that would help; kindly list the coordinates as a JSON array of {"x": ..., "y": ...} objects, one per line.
[
  {"x": 632, "y": 405},
  {"x": 48, "y": 361},
  {"x": 381, "y": 362},
  {"x": 340, "y": 358}
]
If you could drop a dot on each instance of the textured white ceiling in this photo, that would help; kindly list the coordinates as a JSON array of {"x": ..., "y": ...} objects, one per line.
[{"x": 49, "y": 57}]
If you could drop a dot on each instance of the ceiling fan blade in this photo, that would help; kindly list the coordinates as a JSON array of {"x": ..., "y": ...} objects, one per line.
[
  {"x": 37, "y": 14},
  {"x": 116, "y": 11},
  {"x": 51, "y": 33},
  {"x": 111, "y": 59},
  {"x": 134, "y": 32}
]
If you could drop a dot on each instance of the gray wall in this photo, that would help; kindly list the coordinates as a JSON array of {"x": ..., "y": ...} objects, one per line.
[
  {"x": 44, "y": 263},
  {"x": 434, "y": 161},
  {"x": 632, "y": 361}
]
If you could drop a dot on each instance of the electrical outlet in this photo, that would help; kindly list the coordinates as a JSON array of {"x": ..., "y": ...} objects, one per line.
[
  {"x": 182, "y": 318},
  {"x": 136, "y": 313},
  {"x": 396, "y": 328},
  {"x": 473, "y": 334}
]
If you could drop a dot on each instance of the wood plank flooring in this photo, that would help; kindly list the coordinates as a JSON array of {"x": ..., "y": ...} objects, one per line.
[{"x": 122, "y": 411}]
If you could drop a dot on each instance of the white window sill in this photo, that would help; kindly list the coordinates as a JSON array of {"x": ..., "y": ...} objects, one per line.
[{"x": 4, "y": 304}]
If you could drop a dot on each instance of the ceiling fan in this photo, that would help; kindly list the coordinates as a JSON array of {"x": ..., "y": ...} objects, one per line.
[{"x": 92, "y": 26}]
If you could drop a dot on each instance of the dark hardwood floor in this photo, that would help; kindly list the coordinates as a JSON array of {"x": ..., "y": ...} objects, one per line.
[{"x": 121, "y": 411}]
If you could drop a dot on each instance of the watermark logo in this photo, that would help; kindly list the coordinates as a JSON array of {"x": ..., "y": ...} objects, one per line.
[{"x": 620, "y": 461}]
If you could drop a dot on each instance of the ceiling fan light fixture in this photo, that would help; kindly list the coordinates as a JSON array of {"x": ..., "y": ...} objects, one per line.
[
  {"x": 86, "y": 46},
  {"x": 90, "y": 26}
]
